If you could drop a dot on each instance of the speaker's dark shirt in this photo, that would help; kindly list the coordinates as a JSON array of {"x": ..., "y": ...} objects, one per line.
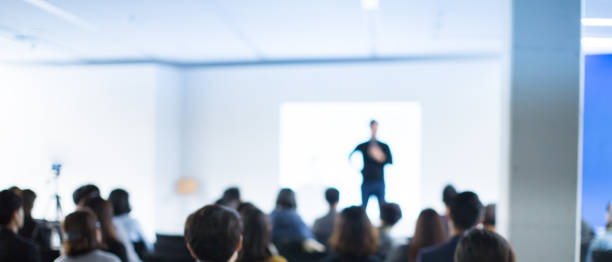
[{"x": 372, "y": 169}]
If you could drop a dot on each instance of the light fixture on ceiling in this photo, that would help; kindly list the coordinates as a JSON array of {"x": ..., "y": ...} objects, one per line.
[
  {"x": 56, "y": 11},
  {"x": 370, "y": 5},
  {"x": 597, "y": 21}
]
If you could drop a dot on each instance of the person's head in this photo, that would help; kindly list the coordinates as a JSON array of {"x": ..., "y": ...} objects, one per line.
[
  {"x": 104, "y": 213},
  {"x": 230, "y": 198},
  {"x": 465, "y": 211},
  {"x": 484, "y": 246},
  {"x": 448, "y": 194},
  {"x": 489, "y": 217},
  {"x": 11, "y": 210},
  {"x": 84, "y": 192},
  {"x": 390, "y": 213},
  {"x": 286, "y": 199},
  {"x": 256, "y": 235},
  {"x": 353, "y": 233},
  {"x": 81, "y": 234},
  {"x": 28, "y": 197},
  {"x": 332, "y": 196},
  {"x": 429, "y": 231},
  {"x": 373, "y": 127},
  {"x": 243, "y": 207},
  {"x": 213, "y": 233},
  {"x": 120, "y": 199}
]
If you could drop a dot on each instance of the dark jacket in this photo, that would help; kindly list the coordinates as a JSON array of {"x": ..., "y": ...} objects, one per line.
[
  {"x": 14, "y": 248},
  {"x": 444, "y": 252},
  {"x": 333, "y": 257}
]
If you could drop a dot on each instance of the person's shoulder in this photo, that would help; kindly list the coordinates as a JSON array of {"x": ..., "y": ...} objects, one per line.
[
  {"x": 275, "y": 258},
  {"x": 105, "y": 256}
]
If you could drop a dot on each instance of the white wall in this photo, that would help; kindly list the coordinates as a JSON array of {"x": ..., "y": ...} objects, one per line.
[
  {"x": 98, "y": 122},
  {"x": 231, "y": 121}
]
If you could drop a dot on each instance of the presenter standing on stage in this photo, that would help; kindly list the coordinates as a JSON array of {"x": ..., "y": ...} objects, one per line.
[{"x": 375, "y": 156}]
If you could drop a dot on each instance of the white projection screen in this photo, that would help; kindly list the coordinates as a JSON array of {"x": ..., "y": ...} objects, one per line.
[{"x": 317, "y": 138}]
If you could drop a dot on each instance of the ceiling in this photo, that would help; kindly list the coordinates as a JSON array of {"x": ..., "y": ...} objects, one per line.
[{"x": 252, "y": 30}]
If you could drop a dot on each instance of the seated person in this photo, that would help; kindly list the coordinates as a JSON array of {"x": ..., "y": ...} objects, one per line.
[
  {"x": 130, "y": 226},
  {"x": 489, "y": 217},
  {"x": 12, "y": 246},
  {"x": 390, "y": 214},
  {"x": 84, "y": 192},
  {"x": 35, "y": 230},
  {"x": 82, "y": 240},
  {"x": 465, "y": 211},
  {"x": 104, "y": 213},
  {"x": 289, "y": 232},
  {"x": 484, "y": 246},
  {"x": 429, "y": 231},
  {"x": 603, "y": 242},
  {"x": 256, "y": 243},
  {"x": 324, "y": 226},
  {"x": 231, "y": 198},
  {"x": 214, "y": 233},
  {"x": 354, "y": 238}
]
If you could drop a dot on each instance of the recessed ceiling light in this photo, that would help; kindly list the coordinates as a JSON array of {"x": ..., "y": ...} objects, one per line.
[
  {"x": 597, "y": 21},
  {"x": 370, "y": 4}
]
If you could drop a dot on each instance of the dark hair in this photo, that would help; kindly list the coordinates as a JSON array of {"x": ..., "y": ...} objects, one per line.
[
  {"x": 85, "y": 191},
  {"x": 243, "y": 207},
  {"x": 489, "y": 215},
  {"x": 121, "y": 201},
  {"x": 484, "y": 246},
  {"x": 213, "y": 233},
  {"x": 372, "y": 122},
  {"x": 104, "y": 212},
  {"x": 448, "y": 194},
  {"x": 353, "y": 233},
  {"x": 80, "y": 233},
  {"x": 256, "y": 236},
  {"x": 10, "y": 203},
  {"x": 332, "y": 195},
  {"x": 429, "y": 231},
  {"x": 231, "y": 194},
  {"x": 286, "y": 199},
  {"x": 465, "y": 210},
  {"x": 390, "y": 213},
  {"x": 28, "y": 197}
]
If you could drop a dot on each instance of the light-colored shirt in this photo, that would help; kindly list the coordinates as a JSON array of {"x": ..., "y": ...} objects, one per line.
[
  {"x": 93, "y": 256},
  {"x": 125, "y": 240},
  {"x": 601, "y": 243}
]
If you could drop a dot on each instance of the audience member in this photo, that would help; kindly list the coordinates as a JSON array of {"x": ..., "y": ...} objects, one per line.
[
  {"x": 214, "y": 234},
  {"x": 354, "y": 238},
  {"x": 429, "y": 231},
  {"x": 84, "y": 192},
  {"x": 288, "y": 228},
  {"x": 448, "y": 193},
  {"x": 12, "y": 246},
  {"x": 484, "y": 246},
  {"x": 82, "y": 241},
  {"x": 104, "y": 213},
  {"x": 124, "y": 222},
  {"x": 390, "y": 214},
  {"x": 586, "y": 236},
  {"x": 602, "y": 243},
  {"x": 231, "y": 198},
  {"x": 324, "y": 226},
  {"x": 489, "y": 217},
  {"x": 256, "y": 243},
  {"x": 464, "y": 211}
]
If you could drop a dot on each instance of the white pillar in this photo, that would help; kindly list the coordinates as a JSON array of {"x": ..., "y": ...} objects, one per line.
[{"x": 545, "y": 109}]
